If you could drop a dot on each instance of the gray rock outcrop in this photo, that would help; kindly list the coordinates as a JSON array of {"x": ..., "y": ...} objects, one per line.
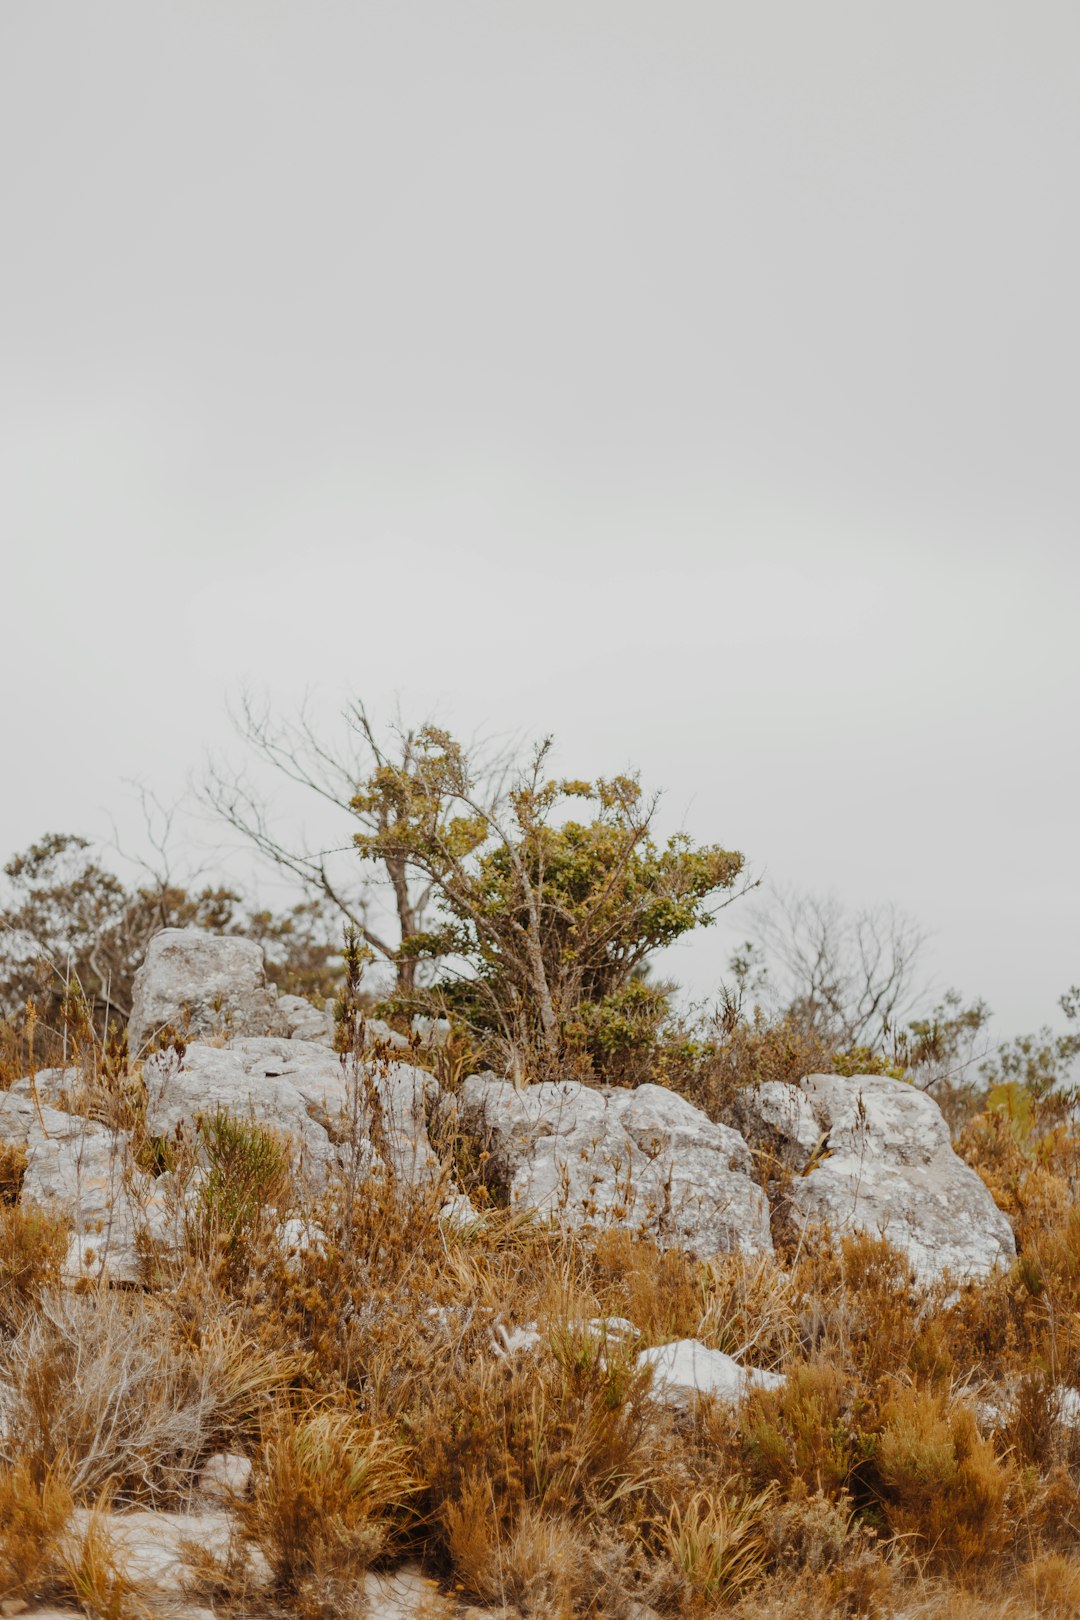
[
  {"x": 202, "y": 984},
  {"x": 336, "y": 1113},
  {"x": 861, "y": 1154},
  {"x": 80, "y": 1170},
  {"x": 872, "y": 1154},
  {"x": 305, "y": 1022},
  {"x": 647, "y": 1160}
]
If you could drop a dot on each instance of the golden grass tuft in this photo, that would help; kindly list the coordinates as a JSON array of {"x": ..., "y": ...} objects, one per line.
[
  {"x": 718, "y": 1541},
  {"x": 331, "y": 1495}
]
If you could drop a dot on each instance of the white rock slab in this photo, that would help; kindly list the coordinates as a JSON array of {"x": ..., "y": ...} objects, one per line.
[
  {"x": 306, "y": 1092},
  {"x": 873, "y": 1154},
  {"x": 81, "y": 1171},
  {"x": 202, "y": 984},
  {"x": 644, "y": 1159},
  {"x": 687, "y": 1367}
]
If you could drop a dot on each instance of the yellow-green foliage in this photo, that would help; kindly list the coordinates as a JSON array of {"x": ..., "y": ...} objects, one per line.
[{"x": 943, "y": 1488}]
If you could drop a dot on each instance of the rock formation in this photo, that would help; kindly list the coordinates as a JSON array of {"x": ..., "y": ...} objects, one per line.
[{"x": 868, "y": 1153}]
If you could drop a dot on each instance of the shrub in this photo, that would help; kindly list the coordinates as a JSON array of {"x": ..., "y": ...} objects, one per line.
[
  {"x": 832, "y": 1557},
  {"x": 718, "y": 1541},
  {"x": 12, "y": 1171},
  {"x": 33, "y": 1247},
  {"x": 540, "y": 1563},
  {"x": 330, "y": 1494},
  {"x": 556, "y": 917},
  {"x": 805, "y": 1433},
  {"x": 567, "y": 1430},
  {"x": 942, "y": 1485},
  {"x": 246, "y": 1169}
]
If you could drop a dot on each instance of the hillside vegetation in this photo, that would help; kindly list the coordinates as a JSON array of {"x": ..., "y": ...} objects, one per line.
[{"x": 394, "y": 1376}]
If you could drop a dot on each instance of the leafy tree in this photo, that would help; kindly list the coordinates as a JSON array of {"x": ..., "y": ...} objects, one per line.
[
  {"x": 546, "y": 921},
  {"x": 68, "y": 919},
  {"x": 1042, "y": 1064}
]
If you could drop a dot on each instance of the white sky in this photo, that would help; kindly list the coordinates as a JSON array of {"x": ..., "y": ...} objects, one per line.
[{"x": 695, "y": 381}]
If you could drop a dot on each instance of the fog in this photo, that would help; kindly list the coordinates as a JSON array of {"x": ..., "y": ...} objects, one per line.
[{"x": 695, "y": 382}]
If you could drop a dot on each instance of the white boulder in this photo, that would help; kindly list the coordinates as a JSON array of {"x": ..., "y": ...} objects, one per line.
[
  {"x": 295, "y": 1087},
  {"x": 646, "y": 1159},
  {"x": 335, "y": 1112},
  {"x": 687, "y": 1368},
  {"x": 224, "y": 1477},
  {"x": 431, "y": 1031},
  {"x": 873, "y": 1154},
  {"x": 305, "y": 1022},
  {"x": 81, "y": 1171},
  {"x": 202, "y": 984}
]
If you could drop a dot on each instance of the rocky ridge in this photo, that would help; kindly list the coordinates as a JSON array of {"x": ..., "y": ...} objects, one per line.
[
  {"x": 861, "y": 1154},
  {"x": 864, "y": 1153}
]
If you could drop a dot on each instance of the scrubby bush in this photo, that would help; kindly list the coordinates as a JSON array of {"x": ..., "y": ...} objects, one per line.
[
  {"x": 329, "y": 1493},
  {"x": 33, "y": 1247}
]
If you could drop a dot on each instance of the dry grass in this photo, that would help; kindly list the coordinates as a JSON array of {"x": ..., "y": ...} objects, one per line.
[
  {"x": 917, "y": 1460},
  {"x": 718, "y": 1541},
  {"x": 94, "y": 1572},
  {"x": 331, "y": 1494},
  {"x": 32, "y": 1251},
  {"x": 103, "y": 1386},
  {"x": 34, "y": 1513}
]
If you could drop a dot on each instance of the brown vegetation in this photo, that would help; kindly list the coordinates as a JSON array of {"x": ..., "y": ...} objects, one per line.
[
  {"x": 917, "y": 1452},
  {"x": 921, "y": 1457}
]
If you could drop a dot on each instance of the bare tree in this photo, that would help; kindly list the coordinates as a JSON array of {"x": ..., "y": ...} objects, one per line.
[
  {"x": 854, "y": 974},
  {"x": 386, "y": 905}
]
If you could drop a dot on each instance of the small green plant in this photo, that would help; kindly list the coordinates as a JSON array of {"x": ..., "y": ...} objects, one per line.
[
  {"x": 718, "y": 1540},
  {"x": 247, "y": 1169}
]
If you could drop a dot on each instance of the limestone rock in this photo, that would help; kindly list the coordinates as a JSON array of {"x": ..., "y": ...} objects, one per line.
[
  {"x": 298, "y": 1236},
  {"x": 305, "y": 1022},
  {"x": 203, "y": 984},
  {"x": 687, "y": 1368},
  {"x": 1067, "y": 1404},
  {"x": 363, "y": 1118},
  {"x": 507, "y": 1342},
  {"x": 873, "y": 1154},
  {"x": 431, "y": 1031},
  {"x": 402, "y": 1096},
  {"x": 378, "y": 1033},
  {"x": 404, "y": 1593},
  {"x": 81, "y": 1170},
  {"x": 150, "y": 1547},
  {"x": 644, "y": 1159},
  {"x": 225, "y": 1476},
  {"x": 303, "y": 1090},
  {"x": 297, "y": 1088}
]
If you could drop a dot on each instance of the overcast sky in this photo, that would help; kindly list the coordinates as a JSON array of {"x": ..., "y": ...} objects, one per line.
[{"x": 697, "y": 381}]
